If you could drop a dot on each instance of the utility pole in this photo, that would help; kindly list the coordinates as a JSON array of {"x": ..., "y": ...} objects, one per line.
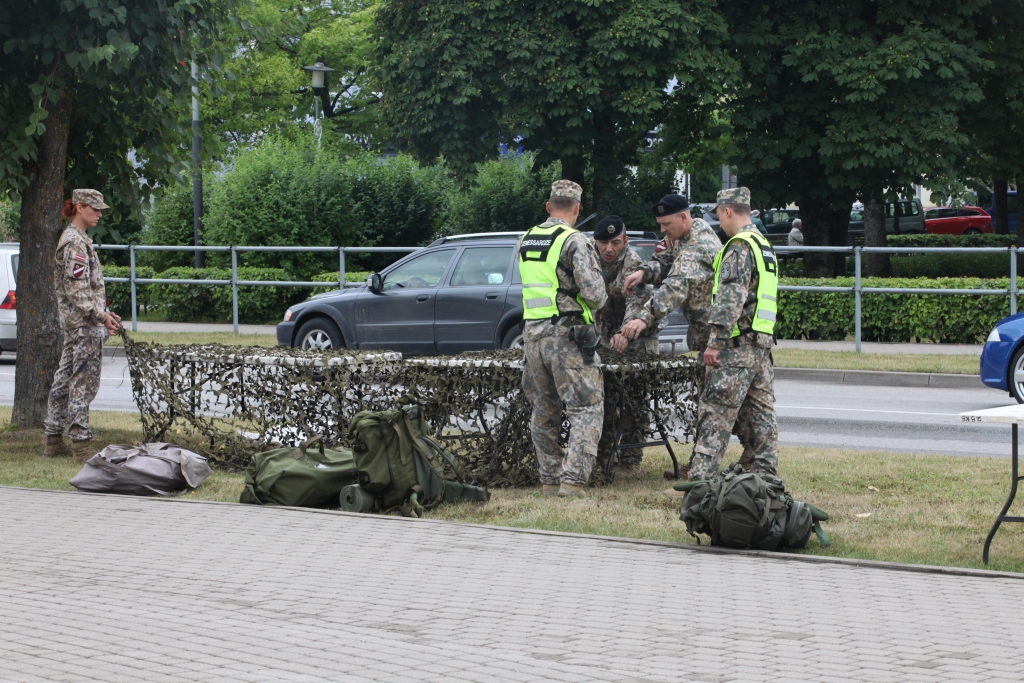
[{"x": 197, "y": 169}]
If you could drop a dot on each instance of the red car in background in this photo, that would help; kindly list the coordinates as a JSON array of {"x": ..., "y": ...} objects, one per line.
[{"x": 966, "y": 220}]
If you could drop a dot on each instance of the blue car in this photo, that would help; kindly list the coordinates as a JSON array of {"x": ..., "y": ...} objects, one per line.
[{"x": 1002, "y": 359}]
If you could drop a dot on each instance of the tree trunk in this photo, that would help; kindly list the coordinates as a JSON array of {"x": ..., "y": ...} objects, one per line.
[
  {"x": 877, "y": 265},
  {"x": 814, "y": 213},
  {"x": 39, "y": 331},
  {"x": 839, "y": 235},
  {"x": 603, "y": 162},
  {"x": 1002, "y": 222},
  {"x": 573, "y": 169}
]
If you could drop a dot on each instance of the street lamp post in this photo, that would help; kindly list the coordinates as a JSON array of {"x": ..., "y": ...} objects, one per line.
[{"x": 321, "y": 97}]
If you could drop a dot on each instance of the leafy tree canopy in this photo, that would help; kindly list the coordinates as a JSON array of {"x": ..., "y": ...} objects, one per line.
[{"x": 581, "y": 82}]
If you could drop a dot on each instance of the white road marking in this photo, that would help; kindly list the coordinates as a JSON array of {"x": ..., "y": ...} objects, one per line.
[{"x": 866, "y": 410}]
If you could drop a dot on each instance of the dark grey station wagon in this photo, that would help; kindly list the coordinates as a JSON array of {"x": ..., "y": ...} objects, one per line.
[{"x": 461, "y": 293}]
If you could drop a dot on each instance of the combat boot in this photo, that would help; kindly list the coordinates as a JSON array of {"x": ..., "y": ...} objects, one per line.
[
  {"x": 548, "y": 490},
  {"x": 570, "y": 491},
  {"x": 82, "y": 450},
  {"x": 56, "y": 448},
  {"x": 629, "y": 471}
]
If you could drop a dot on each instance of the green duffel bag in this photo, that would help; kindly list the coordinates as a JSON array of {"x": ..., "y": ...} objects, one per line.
[{"x": 299, "y": 477}]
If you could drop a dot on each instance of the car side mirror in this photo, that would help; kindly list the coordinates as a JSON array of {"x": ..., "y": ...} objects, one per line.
[{"x": 376, "y": 283}]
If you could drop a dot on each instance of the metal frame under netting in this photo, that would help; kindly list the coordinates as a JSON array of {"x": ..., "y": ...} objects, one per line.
[{"x": 229, "y": 402}]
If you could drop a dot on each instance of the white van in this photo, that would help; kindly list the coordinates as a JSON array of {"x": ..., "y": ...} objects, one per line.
[{"x": 9, "y": 254}]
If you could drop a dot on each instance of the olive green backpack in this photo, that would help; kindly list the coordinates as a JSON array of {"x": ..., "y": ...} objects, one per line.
[
  {"x": 739, "y": 509},
  {"x": 400, "y": 466}
]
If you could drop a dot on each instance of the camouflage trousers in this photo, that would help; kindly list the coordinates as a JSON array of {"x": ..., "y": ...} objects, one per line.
[
  {"x": 75, "y": 383},
  {"x": 553, "y": 374},
  {"x": 613, "y": 421},
  {"x": 739, "y": 397}
]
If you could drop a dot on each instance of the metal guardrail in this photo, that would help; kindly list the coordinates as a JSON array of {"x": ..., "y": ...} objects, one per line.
[
  {"x": 857, "y": 290},
  {"x": 234, "y": 281}
]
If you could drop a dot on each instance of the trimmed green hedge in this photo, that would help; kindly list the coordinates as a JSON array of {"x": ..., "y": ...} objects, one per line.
[
  {"x": 350, "y": 276},
  {"x": 193, "y": 303},
  {"x": 928, "y": 240},
  {"x": 119, "y": 294},
  {"x": 892, "y": 317}
]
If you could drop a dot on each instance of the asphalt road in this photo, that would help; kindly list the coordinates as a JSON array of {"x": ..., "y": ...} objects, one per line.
[{"x": 907, "y": 419}]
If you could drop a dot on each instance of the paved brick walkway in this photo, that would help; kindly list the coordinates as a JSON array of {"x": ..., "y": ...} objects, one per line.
[{"x": 127, "y": 589}]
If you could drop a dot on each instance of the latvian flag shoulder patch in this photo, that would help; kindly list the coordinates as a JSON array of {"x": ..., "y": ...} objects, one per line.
[{"x": 80, "y": 258}]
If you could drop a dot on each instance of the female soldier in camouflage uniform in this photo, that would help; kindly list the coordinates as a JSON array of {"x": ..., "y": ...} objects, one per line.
[{"x": 81, "y": 304}]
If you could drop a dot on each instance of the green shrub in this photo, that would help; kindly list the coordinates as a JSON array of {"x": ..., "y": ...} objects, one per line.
[
  {"x": 951, "y": 265},
  {"x": 505, "y": 196},
  {"x": 169, "y": 223},
  {"x": 892, "y": 317},
  {"x": 928, "y": 240},
  {"x": 198, "y": 303}
]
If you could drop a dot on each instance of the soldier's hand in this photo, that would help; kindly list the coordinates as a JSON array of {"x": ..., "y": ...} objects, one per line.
[
  {"x": 619, "y": 342},
  {"x": 112, "y": 323},
  {"x": 632, "y": 280},
  {"x": 711, "y": 358},
  {"x": 633, "y": 329}
]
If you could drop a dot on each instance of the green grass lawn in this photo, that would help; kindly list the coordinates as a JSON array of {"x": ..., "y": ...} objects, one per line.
[
  {"x": 894, "y": 362},
  {"x": 885, "y": 506},
  {"x": 227, "y": 338}
]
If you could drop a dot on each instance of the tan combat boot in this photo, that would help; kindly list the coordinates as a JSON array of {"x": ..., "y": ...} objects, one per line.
[
  {"x": 82, "y": 450},
  {"x": 56, "y": 448},
  {"x": 570, "y": 491},
  {"x": 630, "y": 471},
  {"x": 548, "y": 490}
]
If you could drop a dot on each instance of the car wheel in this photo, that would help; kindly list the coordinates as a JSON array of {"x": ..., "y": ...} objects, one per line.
[
  {"x": 1016, "y": 378},
  {"x": 513, "y": 339},
  {"x": 319, "y": 334},
  {"x": 972, "y": 231}
]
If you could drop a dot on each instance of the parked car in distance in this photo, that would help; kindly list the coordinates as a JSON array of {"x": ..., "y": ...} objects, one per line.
[
  {"x": 1002, "y": 357},
  {"x": 901, "y": 218},
  {"x": 1012, "y": 212},
  {"x": 9, "y": 256},
  {"x": 461, "y": 293},
  {"x": 778, "y": 223},
  {"x": 949, "y": 220}
]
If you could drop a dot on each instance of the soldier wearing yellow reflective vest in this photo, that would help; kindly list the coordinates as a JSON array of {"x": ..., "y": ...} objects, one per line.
[
  {"x": 740, "y": 382},
  {"x": 562, "y": 286}
]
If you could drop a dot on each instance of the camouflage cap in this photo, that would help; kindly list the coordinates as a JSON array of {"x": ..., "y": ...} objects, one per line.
[
  {"x": 91, "y": 197},
  {"x": 736, "y": 196},
  {"x": 566, "y": 188}
]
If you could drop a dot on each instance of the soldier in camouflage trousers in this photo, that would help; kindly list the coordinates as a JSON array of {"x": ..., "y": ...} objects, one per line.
[
  {"x": 617, "y": 260},
  {"x": 562, "y": 284},
  {"x": 739, "y": 392},
  {"x": 81, "y": 304}
]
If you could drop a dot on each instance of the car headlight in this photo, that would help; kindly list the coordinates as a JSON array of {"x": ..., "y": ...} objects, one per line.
[
  {"x": 993, "y": 336},
  {"x": 288, "y": 315}
]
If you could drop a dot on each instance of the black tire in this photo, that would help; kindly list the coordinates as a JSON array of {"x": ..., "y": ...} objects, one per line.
[
  {"x": 1015, "y": 379},
  {"x": 319, "y": 334},
  {"x": 972, "y": 231},
  {"x": 513, "y": 339}
]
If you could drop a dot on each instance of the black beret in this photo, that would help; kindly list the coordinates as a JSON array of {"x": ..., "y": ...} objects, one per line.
[
  {"x": 670, "y": 204},
  {"x": 609, "y": 228}
]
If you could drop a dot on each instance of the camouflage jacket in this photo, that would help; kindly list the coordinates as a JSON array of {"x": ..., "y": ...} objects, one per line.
[
  {"x": 736, "y": 299},
  {"x": 81, "y": 296},
  {"x": 621, "y": 308},
  {"x": 687, "y": 284},
  {"x": 578, "y": 271}
]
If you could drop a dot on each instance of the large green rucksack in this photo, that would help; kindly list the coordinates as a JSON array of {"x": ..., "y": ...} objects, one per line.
[
  {"x": 399, "y": 465},
  {"x": 298, "y": 476},
  {"x": 744, "y": 510}
]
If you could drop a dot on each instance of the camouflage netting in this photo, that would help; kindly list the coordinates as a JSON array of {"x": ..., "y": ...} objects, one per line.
[{"x": 229, "y": 402}]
